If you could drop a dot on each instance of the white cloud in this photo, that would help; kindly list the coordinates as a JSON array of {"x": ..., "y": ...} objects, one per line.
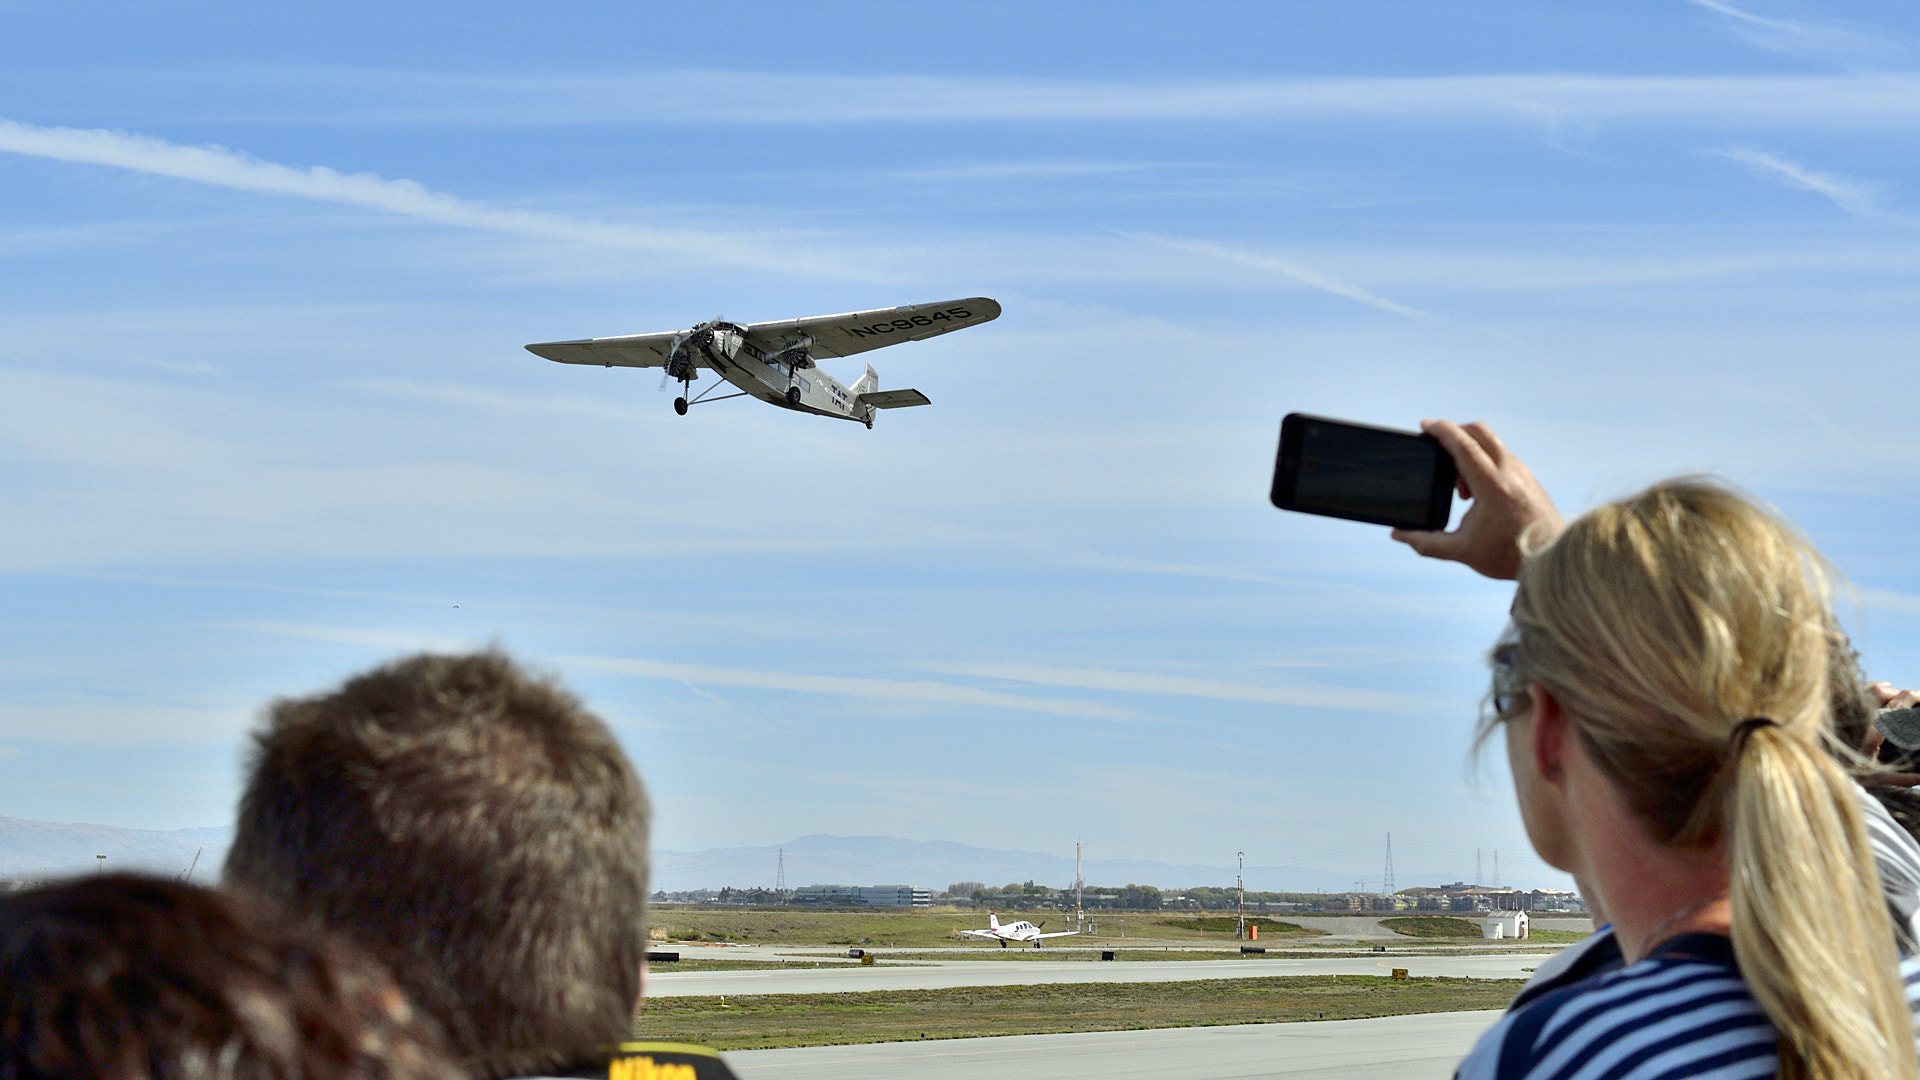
[
  {"x": 390, "y": 640},
  {"x": 487, "y": 398},
  {"x": 1798, "y": 37},
  {"x": 1888, "y": 600},
  {"x": 1096, "y": 561},
  {"x": 116, "y": 723},
  {"x": 1025, "y": 170},
  {"x": 1314, "y": 695},
  {"x": 924, "y": 691},
  {"x": 362, "y": 96},
  {"x": 222, "y": 167},
  {"x": 1857, "y": 197},
  {"x": 1312, "y": 279}
]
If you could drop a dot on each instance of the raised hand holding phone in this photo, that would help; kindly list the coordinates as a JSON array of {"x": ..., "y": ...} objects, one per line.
[{"x": 1510, "y": 513}]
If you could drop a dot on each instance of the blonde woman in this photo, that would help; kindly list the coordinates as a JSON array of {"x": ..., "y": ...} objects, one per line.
[{"x": 1664, "y": 692}]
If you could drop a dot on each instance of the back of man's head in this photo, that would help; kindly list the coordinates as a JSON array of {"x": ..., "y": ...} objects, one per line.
[
  {"x": 477, "y": 828},
  {"x": 139, "y": 978}
]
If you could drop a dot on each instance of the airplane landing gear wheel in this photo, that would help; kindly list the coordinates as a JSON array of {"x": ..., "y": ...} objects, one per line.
[
  {"x": 680, "y": 405},
  {"x": 869, "y": 421},
  {"x": 793, "y": 396}
]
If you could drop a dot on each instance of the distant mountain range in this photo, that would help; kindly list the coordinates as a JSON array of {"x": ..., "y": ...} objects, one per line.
[
  {"x": 935, "y": 864},
  {"x": 33, "y": 849},
  {"x": 36, "y": 849}
]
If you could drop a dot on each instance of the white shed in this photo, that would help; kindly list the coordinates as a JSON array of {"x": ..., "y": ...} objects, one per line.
[{"x": 1504, "y": 924}]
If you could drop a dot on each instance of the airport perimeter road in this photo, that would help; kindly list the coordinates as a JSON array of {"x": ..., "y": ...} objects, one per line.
[
  {"x": 1425, "y": 1047},
  {"x": 944, "y": 975}
]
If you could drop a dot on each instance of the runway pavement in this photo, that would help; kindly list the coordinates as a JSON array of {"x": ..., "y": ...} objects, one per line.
[
  {"x": 1387, "y": 1048},
  {"x": 940, "y": 975}
]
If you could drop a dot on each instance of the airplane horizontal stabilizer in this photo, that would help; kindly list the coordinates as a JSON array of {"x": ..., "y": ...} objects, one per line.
[{"x": 893, "y": 399}]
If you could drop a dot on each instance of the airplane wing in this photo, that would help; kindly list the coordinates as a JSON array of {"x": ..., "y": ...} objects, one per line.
[
  {"x": 859, "y": 331},
  {"x": 1063, "y": 933},
  {"x": 634, "y": 350},
  {"x": 979, "y": 933}
]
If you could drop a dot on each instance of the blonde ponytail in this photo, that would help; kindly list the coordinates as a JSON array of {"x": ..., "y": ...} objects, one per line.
[
  {"x": 1666, "y": 626},
  {"x": 1818, "y": 959}
]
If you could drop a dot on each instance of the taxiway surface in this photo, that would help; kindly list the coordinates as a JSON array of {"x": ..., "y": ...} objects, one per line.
[
  {"x": 1386, "y": 1048},
  {"x": 941, "y": 975}
]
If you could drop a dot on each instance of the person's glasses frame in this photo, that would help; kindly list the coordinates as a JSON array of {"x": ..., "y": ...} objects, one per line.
[{"x": 1508, "y": 692}]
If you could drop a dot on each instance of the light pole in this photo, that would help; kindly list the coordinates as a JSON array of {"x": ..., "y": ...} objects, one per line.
[{"x": 101, "y": 866}]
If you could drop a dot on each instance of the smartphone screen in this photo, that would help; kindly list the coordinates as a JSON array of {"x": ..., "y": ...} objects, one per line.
[{"x": 1362, "y": 473}]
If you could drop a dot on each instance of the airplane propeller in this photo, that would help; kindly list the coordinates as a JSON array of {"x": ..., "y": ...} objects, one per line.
[
  {"x": 666, "y": 371},
  {"x": 701, "y": 336}
]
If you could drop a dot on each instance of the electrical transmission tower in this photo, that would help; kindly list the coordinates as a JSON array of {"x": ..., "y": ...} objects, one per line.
[
  {"x": 1496, "y": 868},
  {"x": 780, "y": 875},
  {"x": 1476, "y": 867},
  {"x": 1386, "y": 879}
]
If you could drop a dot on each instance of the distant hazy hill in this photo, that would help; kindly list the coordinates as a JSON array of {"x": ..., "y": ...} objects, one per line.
[
  {"x": 39, "y": 848},
  {"x": 33, "y": 849},
  {"x": 935, "y": 864}
]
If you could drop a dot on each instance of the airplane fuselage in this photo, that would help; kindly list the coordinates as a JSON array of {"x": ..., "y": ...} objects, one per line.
[{"x": 788, "y": 383}]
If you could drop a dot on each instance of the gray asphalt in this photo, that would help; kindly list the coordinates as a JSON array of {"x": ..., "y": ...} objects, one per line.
[
  {"x": 1387, "y": 1048},
  {"x": 939, "y": 975}
]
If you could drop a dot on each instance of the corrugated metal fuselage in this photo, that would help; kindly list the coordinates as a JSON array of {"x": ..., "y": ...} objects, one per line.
[{"x": 769, "y": 378}]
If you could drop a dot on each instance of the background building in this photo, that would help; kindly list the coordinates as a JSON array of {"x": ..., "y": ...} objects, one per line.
[{"x": 863, "y": 896}]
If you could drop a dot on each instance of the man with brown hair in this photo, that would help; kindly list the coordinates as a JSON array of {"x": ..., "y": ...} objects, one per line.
[{"x": 477, "y": 828}]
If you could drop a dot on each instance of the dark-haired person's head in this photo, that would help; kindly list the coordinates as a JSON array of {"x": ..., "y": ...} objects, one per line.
[
  {"x": 132, "y": 978},
  {"x": 480, "y": 831}
]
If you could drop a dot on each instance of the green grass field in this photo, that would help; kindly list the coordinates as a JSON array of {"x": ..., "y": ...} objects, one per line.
[
  {"x": 1090, "y": 954},
  {"x": 881, "y": 928},
  {"x": 745, "y": 1023},
  {"x": 921, "y": 929},
  {"x": 1227, "y": 924},
  {"x": 1432, "y": 926},
  {"x": 698, "y": 964},
  {"x": 1449, "y": 927},
  {"x": 1554, "y": 937}
]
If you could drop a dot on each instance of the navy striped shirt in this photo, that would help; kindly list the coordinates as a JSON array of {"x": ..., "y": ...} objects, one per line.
[{"x": 1683, "y": 1012}]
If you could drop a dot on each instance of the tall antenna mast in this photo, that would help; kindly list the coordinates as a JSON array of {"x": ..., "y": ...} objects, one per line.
[
  {"x": 1496, "y": 868},
  {"x": 1240, "y": 879},
  {"x": 780, "y": 875},
  {"x": 1079, "y": 915},
  {"x": 1386, "y": 880},
  {"x": 1476, "y": 866}
]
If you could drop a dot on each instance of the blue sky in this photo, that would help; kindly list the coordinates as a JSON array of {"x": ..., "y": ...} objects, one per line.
[{"x": 265, "y": 419}]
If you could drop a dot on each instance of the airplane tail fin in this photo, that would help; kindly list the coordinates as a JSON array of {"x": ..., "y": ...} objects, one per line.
[
  {"x": 993, "y": 919},
  {"x": 867, "y": 383}
]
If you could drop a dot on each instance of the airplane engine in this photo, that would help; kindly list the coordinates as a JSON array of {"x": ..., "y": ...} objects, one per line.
[
  {"x": 798, "y": 355},
  {"x": 680, "y": 366}
]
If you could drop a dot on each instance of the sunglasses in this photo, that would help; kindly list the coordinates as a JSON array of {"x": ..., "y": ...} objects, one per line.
[{"x": 1508, "y": 692}]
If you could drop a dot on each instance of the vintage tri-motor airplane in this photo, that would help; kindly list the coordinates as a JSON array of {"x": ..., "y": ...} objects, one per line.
[
  {"x": 1022, "y": 931},
  {"x": 774, "y": 361}
]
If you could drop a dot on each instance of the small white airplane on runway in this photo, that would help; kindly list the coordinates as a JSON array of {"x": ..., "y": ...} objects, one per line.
[
  {"x": 774, "y": 361},
  {"x": 1022, "y": 931}
]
